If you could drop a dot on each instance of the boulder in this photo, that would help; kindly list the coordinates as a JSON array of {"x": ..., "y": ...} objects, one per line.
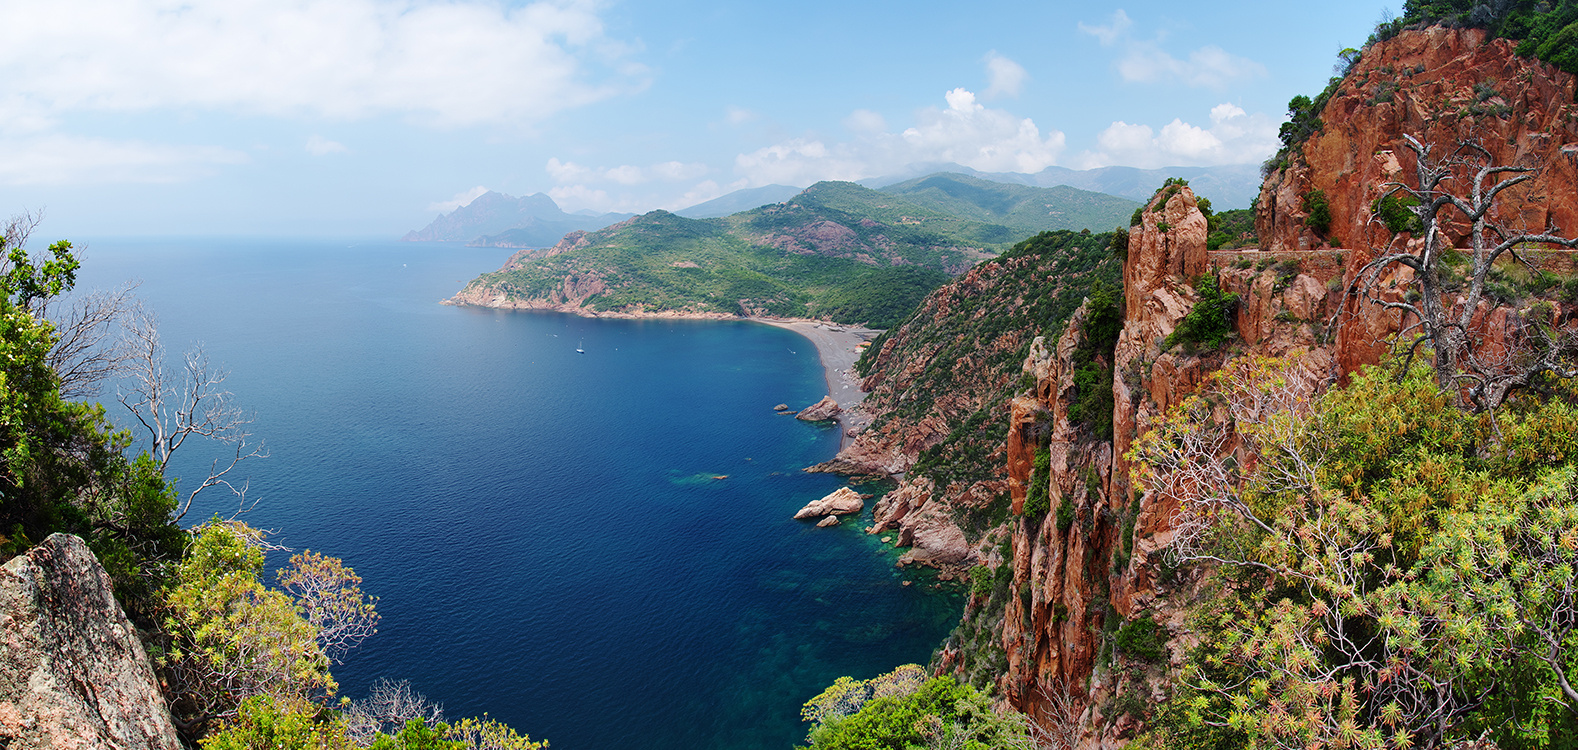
[
  {"x": 781, "y": 407},
  {"x": 72, "y": 672},
  {"x": 821, "y": 411},
  {"x": 826, "y": 522},
  {"x": 842, "y": 502}
]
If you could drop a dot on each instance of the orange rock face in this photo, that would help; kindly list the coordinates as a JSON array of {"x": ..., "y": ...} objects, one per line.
[
  {"x": 1104, "y": 568},
  {"x": 1102, "y": 565},
  {"x": 1444, "y": 87}
]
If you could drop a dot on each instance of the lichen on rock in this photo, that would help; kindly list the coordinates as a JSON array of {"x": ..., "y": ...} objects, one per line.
[{"x": 72, "y": 671}]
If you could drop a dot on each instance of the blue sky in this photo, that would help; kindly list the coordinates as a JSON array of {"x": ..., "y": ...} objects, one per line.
[{"x": 368, "y": 117}]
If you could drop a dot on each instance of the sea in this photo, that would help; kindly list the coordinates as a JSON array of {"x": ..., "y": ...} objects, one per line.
[{"x": 595, "y": 548}]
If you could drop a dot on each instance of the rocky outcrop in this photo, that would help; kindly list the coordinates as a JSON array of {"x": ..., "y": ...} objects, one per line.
[
  {"x": 840, "y": 502},
  {"x": 569, "y": 296},
  {"x": 1101, "y": 567},
  {"x": 820, "y": 411},
  {"x": 72, "y": 672},
  {"x": 938, "y": 385},
  {"x": 1445, "y": 87}
]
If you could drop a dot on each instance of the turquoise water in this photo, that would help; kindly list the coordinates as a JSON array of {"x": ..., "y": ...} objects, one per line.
[{"x": 542, "y": 527}]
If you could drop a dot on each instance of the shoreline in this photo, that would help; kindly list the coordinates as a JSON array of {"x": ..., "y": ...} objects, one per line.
[{"x": 836, "y": 347}]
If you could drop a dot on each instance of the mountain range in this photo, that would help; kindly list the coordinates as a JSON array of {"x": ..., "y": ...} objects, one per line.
[
  {"x": 496, "y": 219},
  {"x": 836, "y": 250}
]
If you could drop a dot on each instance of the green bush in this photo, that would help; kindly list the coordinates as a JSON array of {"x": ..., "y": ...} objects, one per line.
[
  {"x": 1208, "y": 324},
  {"x": 1092, "y": 361},
  {"x": 1392, "y": 210},
  {"x": 1037, "y": 495},
  {"x": 939, "y": 712},
  {"x": 1065, "y": 514},
  {"x": 1319, "y": 218},
  {"x": 980, "y": 580},
  {"x": 1139, "y": 638}
]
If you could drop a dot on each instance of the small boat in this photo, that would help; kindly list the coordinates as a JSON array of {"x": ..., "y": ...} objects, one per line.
[{"x": 578, "y": 349}]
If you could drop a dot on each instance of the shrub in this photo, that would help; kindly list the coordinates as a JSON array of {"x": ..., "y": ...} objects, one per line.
[
  {"x": 1392, "y": 210},
  {"x": 1065, "y": 514},
  {"x": 1138, "y": 638},
  {"x": 1092, "y": 361},
  {"x": 1319, "y": 210},
  {"x": 980, "y": 580},
  {"x": 912, "y": 712},
  {"x": 1207, "y": 325},
  {"x": 1037, "y": 495}
]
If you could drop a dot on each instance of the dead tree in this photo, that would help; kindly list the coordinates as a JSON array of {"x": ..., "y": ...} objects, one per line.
[
  {"x": 172, "y": 407},
  {"x": 1481, "y": 379}
]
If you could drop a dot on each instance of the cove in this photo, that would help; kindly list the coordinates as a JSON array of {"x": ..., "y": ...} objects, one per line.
[{"x": 544, "y": 528}]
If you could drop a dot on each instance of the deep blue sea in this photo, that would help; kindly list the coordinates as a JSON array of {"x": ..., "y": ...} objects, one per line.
[{"x": 542, "y": 528}]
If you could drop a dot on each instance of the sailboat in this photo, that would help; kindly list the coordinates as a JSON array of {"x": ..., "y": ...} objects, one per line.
[{"x": 578, "y": 349}]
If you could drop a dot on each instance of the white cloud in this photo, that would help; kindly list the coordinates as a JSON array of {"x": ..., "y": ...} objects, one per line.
[
  {"x": 65, "y": 159},
  {"x": 625, "y": 175},
  {"x": 675, "y": 171},
  {"x": 1145, "y": 61},
  {"x": 456, "y": 63},
  {"x": 460, "y": 199},
  {"x": 629, "y": 187},
  {"x": 1234, "y": 137},
  {"x": 1109, "y": 33},
  {"x": 864, "y": 121},
  {"x": 966, "y": 132},
  {"x": 801, "y": 161},
  {"x": 738, "y": 115},
  {"x": 317, "y": 145},
  {"x": 577, "y": 197},
  {"x": 568, "y": 172},
  {"x": 1005, "y": 77}
]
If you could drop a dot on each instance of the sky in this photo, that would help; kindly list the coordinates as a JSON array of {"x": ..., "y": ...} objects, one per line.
[{"x": 368, "y": 118}]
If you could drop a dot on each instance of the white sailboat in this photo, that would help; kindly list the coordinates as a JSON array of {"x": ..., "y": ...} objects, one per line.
[{"x": 578, "y": 349}]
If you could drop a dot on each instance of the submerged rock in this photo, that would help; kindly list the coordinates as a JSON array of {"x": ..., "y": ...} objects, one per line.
[
  {"x": 821, "y": 411},
  {"x": 842, "y": 502}
]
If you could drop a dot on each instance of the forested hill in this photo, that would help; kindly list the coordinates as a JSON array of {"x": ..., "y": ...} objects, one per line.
[
  {"x": 837, "y": 250},
  {"x": 1022, "y": 207}
]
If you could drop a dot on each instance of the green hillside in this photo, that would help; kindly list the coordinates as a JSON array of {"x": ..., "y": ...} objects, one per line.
[
  {"x": 1020, "y": 207},
  {"x": 837, "y": 251}
]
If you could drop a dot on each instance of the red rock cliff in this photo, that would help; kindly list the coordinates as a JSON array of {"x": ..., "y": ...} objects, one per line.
[
  {"x": 1071, "y": 588},
  {"x": 1444, "y": 87},
  {"x": 1075, "y": 586}
]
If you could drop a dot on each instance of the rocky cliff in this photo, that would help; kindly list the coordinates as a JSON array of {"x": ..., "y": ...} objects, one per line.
[
  {"x": 1446, "y": 87},
  {"x": 1090, "y": 565},
  {"x": 1083, "y": 564},
  {"x": 72, "y": 672},
  {"x": 938, "y": 385}
]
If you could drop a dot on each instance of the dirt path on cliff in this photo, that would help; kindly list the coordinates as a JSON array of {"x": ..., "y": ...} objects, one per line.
[{"x": 837, "y": 346}]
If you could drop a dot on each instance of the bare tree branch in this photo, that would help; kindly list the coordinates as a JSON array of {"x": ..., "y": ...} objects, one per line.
[{"x": 192, "y": 403}]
